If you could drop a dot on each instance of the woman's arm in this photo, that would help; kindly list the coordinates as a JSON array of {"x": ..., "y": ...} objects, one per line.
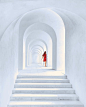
[{"x": 42, "y": 57}]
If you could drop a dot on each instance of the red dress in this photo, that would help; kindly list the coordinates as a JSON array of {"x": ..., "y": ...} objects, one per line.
[{"x": 45, "y": 57}]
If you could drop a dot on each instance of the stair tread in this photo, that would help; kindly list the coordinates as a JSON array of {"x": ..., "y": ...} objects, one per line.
[
  {"x": 40, "y": 79},
  {"x": 37, "y": 74},
  {"x": 45, "y": 103},
  {"x": 42, "y": 84},
  {"x": 43, "y": 89},
  {"x": 41, "y": 76},
  {"x": 44, "y": 95}
]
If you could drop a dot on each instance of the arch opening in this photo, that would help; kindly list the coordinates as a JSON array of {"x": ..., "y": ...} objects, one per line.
[{"x": 51, "y": 21}]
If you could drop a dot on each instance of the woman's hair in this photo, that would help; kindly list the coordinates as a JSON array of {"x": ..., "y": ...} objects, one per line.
[{"x": 44, "y": 53}]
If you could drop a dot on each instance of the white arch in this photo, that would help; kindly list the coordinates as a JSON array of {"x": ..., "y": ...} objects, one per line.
[
  {"x": 36, "y": 59},
  {"x": 57, "y": 29},
  {"x": 50, "y": 31},
  {"x": 34, "y": 43},
  {"x": 39, "y": 50},
  {"x": 28, "y": 53},
  {"x": 44, "y": 38}
]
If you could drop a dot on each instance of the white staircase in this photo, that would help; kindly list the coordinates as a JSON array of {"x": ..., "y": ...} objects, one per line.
[{"x": 43, "y": 91}]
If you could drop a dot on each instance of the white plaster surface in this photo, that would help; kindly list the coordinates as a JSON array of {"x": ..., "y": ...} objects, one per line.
[
  {"x": 43, "y": 94},
  {"x": 8, "y": 64},
  {"x": 37, "y": 37},
  {"x": 56, "y": 25},
  {"x": 73, "y": 14}
]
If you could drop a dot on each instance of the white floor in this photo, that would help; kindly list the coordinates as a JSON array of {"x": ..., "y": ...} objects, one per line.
[{"x": 39, "y": 69}]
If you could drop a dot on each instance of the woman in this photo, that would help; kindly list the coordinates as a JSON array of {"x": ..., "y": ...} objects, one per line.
[{"x": 44, "y": 57}]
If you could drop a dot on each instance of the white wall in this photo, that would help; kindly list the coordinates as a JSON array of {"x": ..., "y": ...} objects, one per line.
[
  {"x": 75, "y": 49},
  {"x": 76, "y": 58},
  {"x": 8, "y": 64}
]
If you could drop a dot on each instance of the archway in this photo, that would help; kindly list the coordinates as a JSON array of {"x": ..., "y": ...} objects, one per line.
[{"x": 51, "y": 21}]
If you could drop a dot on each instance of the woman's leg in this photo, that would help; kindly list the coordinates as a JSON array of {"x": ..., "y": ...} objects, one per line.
[{"x": 45, "y": 63}]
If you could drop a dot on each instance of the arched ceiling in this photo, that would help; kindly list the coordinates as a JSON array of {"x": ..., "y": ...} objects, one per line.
[
  {"x": 37, "y": 47},
  {"x": 12, "y": 9}
]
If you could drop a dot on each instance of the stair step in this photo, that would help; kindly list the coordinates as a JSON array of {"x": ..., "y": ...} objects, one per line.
[
  {"x": 42, "y": 81},
  {"x": 42, "y": 85},
  {"x": 43, "y": 91},
  {"x": 44, "y": 97},
  {"x": 39, "y": 76},
  {"x": 46, "y": 104}
]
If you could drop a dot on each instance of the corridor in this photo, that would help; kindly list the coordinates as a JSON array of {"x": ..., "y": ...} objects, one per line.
[{"x": 28, "y": 28}]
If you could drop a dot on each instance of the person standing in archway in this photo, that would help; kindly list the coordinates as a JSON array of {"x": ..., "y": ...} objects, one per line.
[{"x": 44, "y": 57}]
